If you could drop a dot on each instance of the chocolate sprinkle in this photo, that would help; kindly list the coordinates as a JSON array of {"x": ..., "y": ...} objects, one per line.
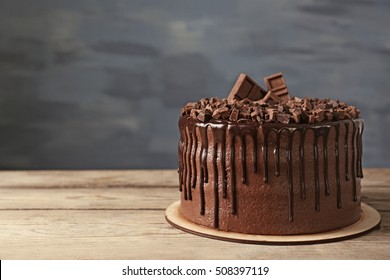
[{"x": 295, "y": 110}]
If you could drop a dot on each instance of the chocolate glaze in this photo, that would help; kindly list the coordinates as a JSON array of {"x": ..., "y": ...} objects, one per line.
[{"x": 195, "y": 135}]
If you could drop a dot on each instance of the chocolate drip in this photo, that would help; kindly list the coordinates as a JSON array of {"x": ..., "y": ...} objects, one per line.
[
  {"x": 204, "y": 152},
  {"x": 302, "y": 164},
  {"x": 325, "y": 150},
  {"x": 181, "y": 166},
  {"x": 290, "y": 178},
  {"x": 219, "y": 136},
  {"x": 180, "y": 170},
  {"x": 216, "y": 193},
  {"x": 204, "y": 176},
  {"x": 189, "y": 167},
  {"x": 277, "y": 155},
  {"x": 243, "y": 158},
  {"x": 337, "y": 151},
  {"x": 193, "y": 161},
  {"x": 265, "y": 156},
  {"x": 188, "y": 151},
  {"x": 316, "y": 172},
  {"x": 346, "y": 150},
  {"x": 254, "y": 151},
  {"x": 233, "y": 175},
  {"x": 321, "y": 131},
  {"x": 185, "y": 170},
  {"x": 201, "y": 192},
  {"x": 219, "y": 139},
  {"x": 239, "y": 131},
  {"x": 180, "y": 152},
  {"x": 360, "y": 150},
  {"x": 353, "y": 162}
]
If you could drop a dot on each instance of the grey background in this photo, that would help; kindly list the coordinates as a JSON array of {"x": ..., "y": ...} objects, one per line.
[{"x": 99, "y": 84}]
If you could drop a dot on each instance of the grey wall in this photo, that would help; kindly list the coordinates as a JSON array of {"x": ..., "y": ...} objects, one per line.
[{"x": 99, "y": 83}]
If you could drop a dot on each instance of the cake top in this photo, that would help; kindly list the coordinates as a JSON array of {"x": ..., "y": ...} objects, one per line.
[
  {"x": 295, "y": 110},
  {"x": 249, "y": 102}
]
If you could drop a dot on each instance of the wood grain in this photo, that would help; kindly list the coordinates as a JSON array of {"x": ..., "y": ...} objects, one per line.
[{"x": 120, "y": 215}]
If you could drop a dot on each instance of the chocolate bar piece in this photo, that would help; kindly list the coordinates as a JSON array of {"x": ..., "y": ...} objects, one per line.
[
  {"x": 271, "y": 96},
  {"x": 245, "y": 87},
  {"x": 276, "y": 84}
]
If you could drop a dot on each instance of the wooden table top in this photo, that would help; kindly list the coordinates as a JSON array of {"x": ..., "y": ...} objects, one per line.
[{"x": 120, "y": 215}]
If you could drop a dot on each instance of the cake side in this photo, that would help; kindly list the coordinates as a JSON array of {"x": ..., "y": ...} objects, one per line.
[{"x": 270, "y": 178}]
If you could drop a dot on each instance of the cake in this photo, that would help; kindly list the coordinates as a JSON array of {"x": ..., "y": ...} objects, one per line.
[{"x": 261, "y": 162}]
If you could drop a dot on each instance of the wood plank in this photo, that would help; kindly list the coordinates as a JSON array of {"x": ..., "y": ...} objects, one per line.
[
  {"x": 135, "y": 234},
  {"x": 87, "y": 198},
  {"x": 88, "y": 179}
]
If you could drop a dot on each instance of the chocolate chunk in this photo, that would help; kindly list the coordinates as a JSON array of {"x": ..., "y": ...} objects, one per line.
[
  {"x": 245, "y": 87},
  {"x": 215, "y": 100},
  {"x": 204, "y": 115},
  {"x": 321, "y": 106},
  {"x": 328, "y": 116},
  {"x": 296, "y": 117},
  {"x": 216, "y": 115},
  {"x": 280, "y": 108},
  {"x": 194, "y": 114},
  {"x": 272, "y": 114},
  {"x": 340, "y": 114},
  {"x": 234, "y": 115},
  {"x": 188, "y": 107},
  {"x": 224, "y": 112},
  {"x": 297, "y": 99},
  {"x": 260, "y": 102},
  {"x": 319, "y": 115},
  {"x": 277, "y": 85},
  {"x": 307, "y": 104},
  {"x": 310, "y": 118},
  {"x": 295, "y": 110},
  {"x": 204, "y": 102},
  {"x": 283, "y": 118},
  {"x": 201, "y": 116},
  {"x": 245, "y": 114},
  {"x": 353, "y": 112}
]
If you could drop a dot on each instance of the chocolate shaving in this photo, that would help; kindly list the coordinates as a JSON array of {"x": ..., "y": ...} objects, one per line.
[{"x": 295, "y": 110}]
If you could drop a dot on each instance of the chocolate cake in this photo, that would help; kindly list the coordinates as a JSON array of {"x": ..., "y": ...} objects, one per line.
[{"x": 260, "y": 162}]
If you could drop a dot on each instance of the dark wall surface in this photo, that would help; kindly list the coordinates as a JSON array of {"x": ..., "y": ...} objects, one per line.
[{"x": 99, "y": 84}]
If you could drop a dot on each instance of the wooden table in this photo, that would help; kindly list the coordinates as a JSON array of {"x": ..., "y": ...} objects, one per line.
[{"x": 120, "y": 215}]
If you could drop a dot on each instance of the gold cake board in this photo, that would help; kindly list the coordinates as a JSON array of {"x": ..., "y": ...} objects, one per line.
[{"x": 370, "y": 219}]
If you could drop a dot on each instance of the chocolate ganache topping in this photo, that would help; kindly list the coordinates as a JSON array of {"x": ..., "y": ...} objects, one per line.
[{"x": 218, "y": 136}]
